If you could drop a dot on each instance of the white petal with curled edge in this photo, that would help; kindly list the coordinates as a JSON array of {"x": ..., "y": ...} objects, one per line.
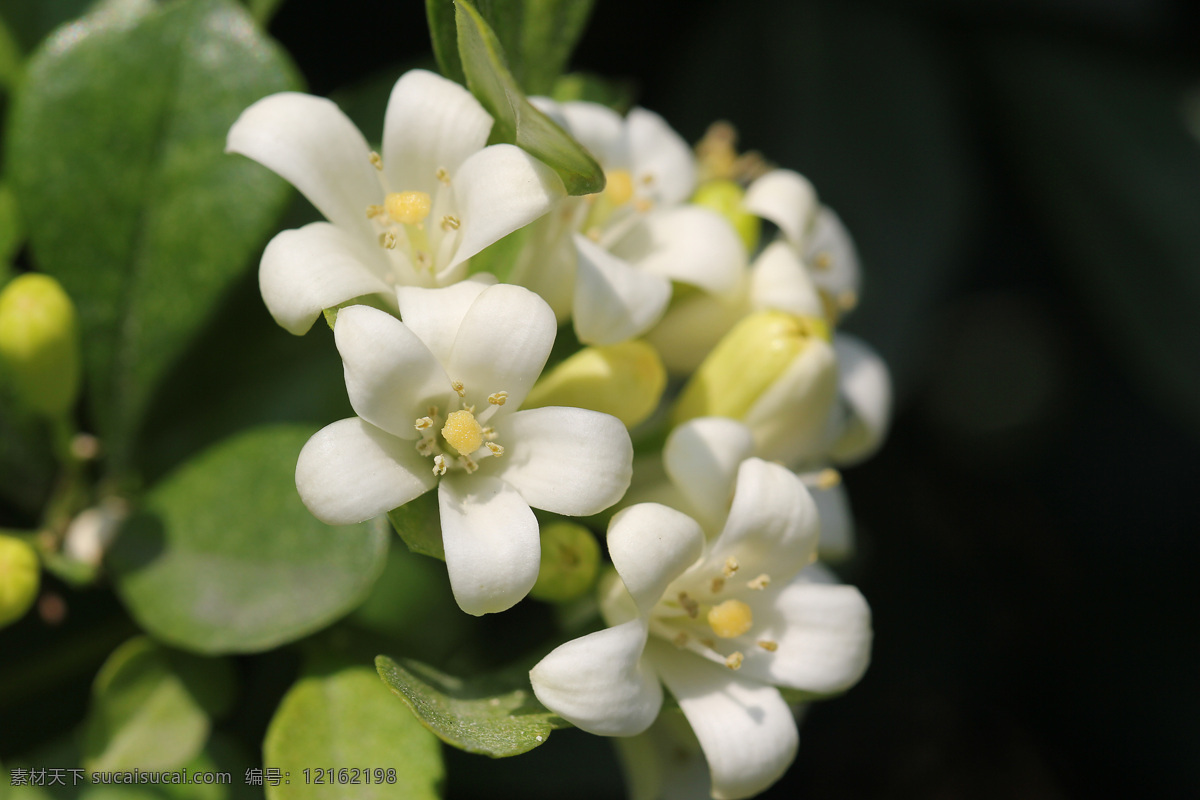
[
  {"x": 652, "y": 545},
  {"x": 785, "y": 198},
  {"x": 434, "y": 315},
  {"x": 599, "y": 129},
  {"x": 837, "y": 522},
  {"x": 613, "y": 300},
  {"x": 790, "y": 420},
  {"x": 431, "y": 122},
  {"x": 772, "y": 526},
  {"x": 351, "y": 471},
  {"x": 689, "y": 244},
  {"x": 491, "y": 541},
  {"x": 309, "y": 141},
  {"x": 746, "y": 729},
  {"x": 780, "y": 281},
  {"x": 499, "y": 189},
  {"x": 823, "y": 633},
  {"x": 702, "y": 458},
  {"x": 502, "y": 344},
  {"x": 866, "y": 389},
  {"x": 391, "y": 377},
  {"x": 830, "y": 251},
  {"x": 600, "y": 683},
  {"x": 660, "y": 159},
  {"x": 316, "y": 267},
  {"x": 566, "y": 460}
]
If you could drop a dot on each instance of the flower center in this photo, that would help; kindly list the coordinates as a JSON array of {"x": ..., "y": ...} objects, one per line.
[
  {"x": 408, "y": 208},
  {"x": 464, "y": 439},
  {"x": 618, "y": 186},
  {"x": 463, "y": 432},
  {"x": 730, "y": 619}
]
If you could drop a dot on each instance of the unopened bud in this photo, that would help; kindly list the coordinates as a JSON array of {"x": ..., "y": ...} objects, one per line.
[
  {"x": 725, "y": 197},
  {"x": 39, "y": 344},
  {"x": 777, "y": 373},
  {"x": 625, "y": 380},
  {"x": 19, "y": 576},
  {"x": 570, "y": 561}
]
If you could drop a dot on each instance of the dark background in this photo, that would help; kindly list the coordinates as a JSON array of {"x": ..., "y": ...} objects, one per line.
[{"x": 1022, "y": 178}]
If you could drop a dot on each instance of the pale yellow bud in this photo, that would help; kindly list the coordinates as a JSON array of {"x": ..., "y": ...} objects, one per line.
[
  {"x": 774, "y": 371},
  {"x": 570, "y": 561},
  {"x": 39, "y": 344},
  {"x": 725, "y": 197},
  {"x": 625, "y": 380},
  {"x": 19, "y": 577}
]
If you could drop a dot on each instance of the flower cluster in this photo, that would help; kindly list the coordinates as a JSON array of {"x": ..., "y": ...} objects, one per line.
[{"x": 667, "y": 281}]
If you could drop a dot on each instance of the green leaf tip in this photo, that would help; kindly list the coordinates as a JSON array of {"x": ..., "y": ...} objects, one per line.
[
  {"x": 517, "y": 121},
  {"x": 493, "y": 715}
]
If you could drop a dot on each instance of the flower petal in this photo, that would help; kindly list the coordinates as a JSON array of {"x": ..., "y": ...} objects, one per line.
[
  {"x": 745, "y": 728},
  {"x": 435, "y": 315},
  {"x": 431, "y": 123},
  {"x": 309, "y": 141},
  {"x": 830, "y": 251},
  {"x": 491, "y": 540},
  {"x": 652, "y": 545},
  {"x": 600, "y": 130},
  {"x": 613, "y": 300},
  {"x": 772, "y": 526},
  {"x": 600, "y": 683},
  {"x": 660, "y": 158},
  {"x": 823, "y": 637},
  {"x": 866, "y": 390},
  {"x": 391, "y": 377},
  {"x": 499, "y": 189},
  {"x": 566, "y": 460},
  {"x": 780, "y": 281},
  {"x": 316, "y": 267},
  {"x": 689, "y": 244},
  {"x": 351, "y": 471},
  {"x": 790, "y": 420},
  {"x": 502, "y": 344},
  {"x": 702, "y": 458},
  {"x": 837, "y": 522},
  {"x": 665, "y": 762},
  {"x": 693, "y": 325},
  {"x": 785, "y": 198}
]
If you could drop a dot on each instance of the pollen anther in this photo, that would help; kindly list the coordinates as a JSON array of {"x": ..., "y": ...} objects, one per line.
[
  {"x": 376, "y": 160},
  {"x": 439, "y": 464},
  {"x": 497, "y": 449},
  {"x": 458, "y": 388},
  {"x": 761, "y": 582},
  {"x": 498, "y": 398},
  {"x": 450, "y": 223},
  {"x": 717, "y": 585},
  {"x": 731, "y": 566},
  {"x": 768, "y": 645},
  {"x": 734, "y": 660}
]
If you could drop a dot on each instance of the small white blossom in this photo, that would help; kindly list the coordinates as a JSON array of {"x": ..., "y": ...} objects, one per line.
[
  {"x": 721, "y": 623},
  {"x": 435, "y": 397},
  {"x": 608, "y": 259},
  {"x": 409, "y": 217}
]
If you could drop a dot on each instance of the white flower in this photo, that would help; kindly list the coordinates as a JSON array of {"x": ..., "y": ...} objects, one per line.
[
  {"x": 722, "y": 623},
  {"x": 812, "y": 270},
  {"x": 433, "y": 396},
  {"x": 412, "y": 217},
  {"x": 864, "y": 412},
  {"x": 609, "y": 258}
]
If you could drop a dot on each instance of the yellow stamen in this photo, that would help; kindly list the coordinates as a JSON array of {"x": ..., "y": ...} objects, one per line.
[
  {"x": 498, "y": 398},
  {"x": 408, "y": 208},
  {"x": 717, "y": 585},
  {"x": 731, "y": 566},
  {"x": 376, "y": 160},
  {"x": 768, "y": 645},
  {"x": 450, "y": 223},
  {"x": 730, "y": 619},
  {"x": 828, "y": 478},
  {"x": 443, "y": 175},
  {"x": 462, "y": 432},
  {"x": 761, "y": 582},
  {"x": 497, "y": 450},
  {"x": 734, "y": 660}
]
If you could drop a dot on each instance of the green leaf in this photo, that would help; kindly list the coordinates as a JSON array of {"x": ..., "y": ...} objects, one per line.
[
  {"x": 117, "y": 157},
  {"x": 494, "y": 715},
  {"x": 11, "y": 234},
  {"x": 537, "y": 36},
  {"x": 344, "y": 723},
  {"x": 223, "y": 557},
  {"x": 420, "y": 526},
  {"x": 517, "y": 121},
  {"x": 152, "y": 708}
]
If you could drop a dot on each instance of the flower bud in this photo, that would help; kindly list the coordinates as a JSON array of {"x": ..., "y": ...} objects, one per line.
[
  {"x": 725, "y": 197},
  {"x": 777, "y": 373},
  {"x": 570, "y": 561},
  {"x": 19, "y": 576},
  {"x": 39, "y": 344},
  {"x": 625, "y": 380}
]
